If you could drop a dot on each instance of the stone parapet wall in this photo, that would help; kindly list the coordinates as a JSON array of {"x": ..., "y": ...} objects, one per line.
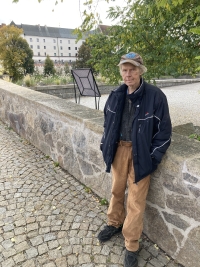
[{"x": 70, "y": 134}]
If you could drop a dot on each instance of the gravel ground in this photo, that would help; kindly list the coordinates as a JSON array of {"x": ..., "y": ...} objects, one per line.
[{"x": 184, "y": 103}]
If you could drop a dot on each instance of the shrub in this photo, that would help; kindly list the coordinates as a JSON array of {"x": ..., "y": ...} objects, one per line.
[
  {"x": 49, "y": 68},
  {"x": 66, "y": 68},
  {"x": 27, "y": 80}
]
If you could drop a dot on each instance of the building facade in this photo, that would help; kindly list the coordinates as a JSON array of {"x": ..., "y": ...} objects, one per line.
[{"x": 59, "y": 43}]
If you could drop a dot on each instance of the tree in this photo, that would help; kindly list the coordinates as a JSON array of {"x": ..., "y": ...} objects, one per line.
[
  {"x": 104, "y": 58},
  {"x": 83, "y": 57},
  {"x": 49, "y": 68},
  {"x": 190, "y": 12},
  {"x": 167, "y": 45},
  {"x": 28, "y": 64},
  {"x": 15, "y": 54}
]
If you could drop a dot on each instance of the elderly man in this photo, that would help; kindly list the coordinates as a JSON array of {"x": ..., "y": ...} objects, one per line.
[{"x": 137, "y": 133}]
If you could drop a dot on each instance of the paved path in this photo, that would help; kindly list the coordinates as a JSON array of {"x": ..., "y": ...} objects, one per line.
[
  {"x": 184, "y": 103},
  {"x": 49, "y": 219}
]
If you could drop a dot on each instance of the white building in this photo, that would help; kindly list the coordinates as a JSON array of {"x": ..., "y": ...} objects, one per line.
[{"x": 59, "y": 43}]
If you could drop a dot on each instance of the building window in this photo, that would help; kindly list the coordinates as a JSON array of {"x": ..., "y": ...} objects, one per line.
[
  {"x": 31, "y": 40},
  {"x": 37, "y": 39},
  {"x": 44, "y": 47},
  {"x": 61, "y": 54},
  {"x": 61, "y": 41},
  {"x": 38, "y": 53},
  {"x": 54, "y": 47},
  {"x": 68, "y": 41},
  {"x": 61, "y": 48},
  {"x": 31, "y": 46},
  {"x": 38, "y": 47},
  {"x": 44, "y": 40},
  {"x": 76, "y": 55},
  {"x": 54, "y": 54},
  {"x": 69, "y": 48},
  {"x": 75, "y": 48},
  {"x": 39, "y": 61},
  {"x": 45, "y": 53},
  {"x": 55, "y": 61},
  {"x": 69, "y": 54},
  {"x": 54, "y": 40}
]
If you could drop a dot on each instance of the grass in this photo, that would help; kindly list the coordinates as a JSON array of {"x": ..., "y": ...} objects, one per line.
[
  {"x": 195, "y": 136},
  {"x": 104, "y": 201},
  {"x": 87, "y": 190},
  {"x": 56, "y": 164}
]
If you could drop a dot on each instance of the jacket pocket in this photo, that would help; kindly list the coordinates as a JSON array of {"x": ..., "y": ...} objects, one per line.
[{"x": 145, "y": 124}]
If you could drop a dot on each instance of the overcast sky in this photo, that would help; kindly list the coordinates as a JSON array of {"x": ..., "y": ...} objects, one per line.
[{"x": 65, "y": 15}]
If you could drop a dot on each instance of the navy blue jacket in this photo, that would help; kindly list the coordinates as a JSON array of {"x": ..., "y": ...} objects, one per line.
[{"x": 151, "y": 128}]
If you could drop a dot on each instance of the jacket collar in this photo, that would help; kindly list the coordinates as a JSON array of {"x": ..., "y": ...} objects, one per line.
[{"x": 122, "y": 89}]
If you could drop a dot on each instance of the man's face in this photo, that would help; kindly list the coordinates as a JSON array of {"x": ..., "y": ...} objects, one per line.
[{"x": 130, "y": 75}]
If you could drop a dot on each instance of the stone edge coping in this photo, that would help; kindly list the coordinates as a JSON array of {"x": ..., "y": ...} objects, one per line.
[{"x": 93, "y": 119}]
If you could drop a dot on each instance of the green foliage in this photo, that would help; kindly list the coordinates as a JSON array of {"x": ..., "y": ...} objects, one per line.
[
  {"x": 15, "y": 54},
  {"x": 168, "y": 47},
  {"x": 83, "y": 57},
  {"x": 104, "y": 201},
  {"x": 56, "y": 164},
  {"x": 49, "y": 68},
  {"x": 28, "y": 64},
  {"x": 195, "y": 136},
  {"x": 88, "y": 190},
  {"x": 104, "y": 58}
]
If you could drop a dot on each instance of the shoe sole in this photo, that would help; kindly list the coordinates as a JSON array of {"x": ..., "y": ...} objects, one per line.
[
  {"x": 135, "y": 265},
  {"x": 107, "y": 239}
]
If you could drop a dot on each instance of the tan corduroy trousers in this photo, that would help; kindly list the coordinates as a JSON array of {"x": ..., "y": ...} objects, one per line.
[{"x": 132, "y": 216}]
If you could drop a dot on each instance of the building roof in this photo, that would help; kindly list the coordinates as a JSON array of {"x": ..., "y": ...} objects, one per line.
[
  {"x": 104, "y": 29},
  {"x": 45, "y": 31}
]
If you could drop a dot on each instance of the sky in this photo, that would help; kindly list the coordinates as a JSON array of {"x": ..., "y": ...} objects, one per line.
[{"x": 67, "y": 14}]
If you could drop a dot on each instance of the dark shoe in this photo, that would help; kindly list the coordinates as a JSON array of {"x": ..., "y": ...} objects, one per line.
[
  {"x": 130, "y": 259},
  {"x": 108, "y": 232}
]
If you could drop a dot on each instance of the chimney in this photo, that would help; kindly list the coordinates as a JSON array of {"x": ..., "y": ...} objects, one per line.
[{"x": 2, "y": 24}]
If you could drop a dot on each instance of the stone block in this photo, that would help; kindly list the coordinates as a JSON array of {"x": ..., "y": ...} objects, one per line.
[
  {"x": 176, "y": 220},
  {"x": 156, "y": 194},
  {"x": 183, "y": 148},
  {"x": 157, "y": 227},
  {"x": 189, "y": 251},
  {"x": 183, "y": 205},
  {"x": 184, "y": 129},
  {"x": 175, "y": 184},
  {"x": 193, "y": 164}
]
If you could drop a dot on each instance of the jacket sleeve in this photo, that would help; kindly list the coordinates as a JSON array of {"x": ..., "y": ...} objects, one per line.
[
  {"x": 162, "y": 130},
  {"x": 104, "y": 125}
]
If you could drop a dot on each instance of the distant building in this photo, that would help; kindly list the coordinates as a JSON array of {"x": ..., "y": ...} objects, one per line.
[{"x": 59, "y": 43}]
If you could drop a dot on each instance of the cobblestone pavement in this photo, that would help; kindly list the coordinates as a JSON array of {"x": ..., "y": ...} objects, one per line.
[{"x": 49, "y": 219}]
